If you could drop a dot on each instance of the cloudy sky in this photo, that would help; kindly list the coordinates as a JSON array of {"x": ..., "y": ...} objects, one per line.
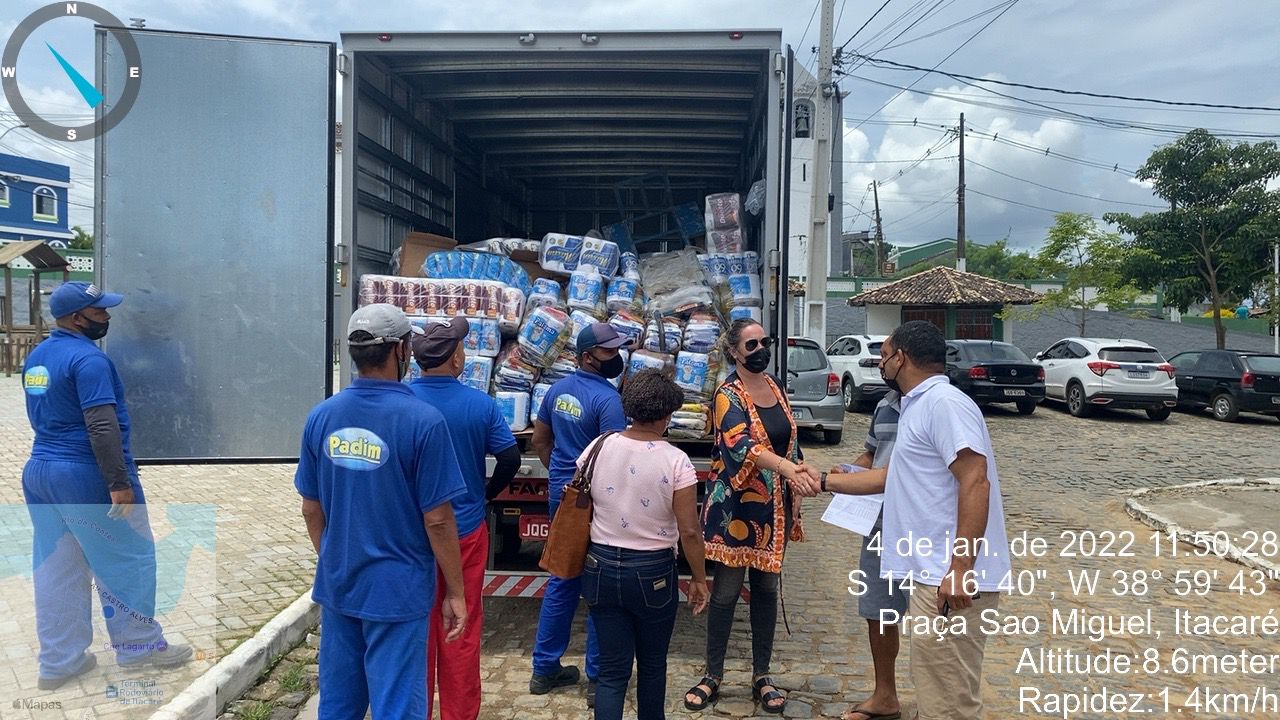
[{"x": 1024, "y": 160}]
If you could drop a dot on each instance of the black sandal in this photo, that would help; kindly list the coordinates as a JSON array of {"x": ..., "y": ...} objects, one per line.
[
  {"x": 765, "y": 698},
  {"x": 704, "y": 698}
]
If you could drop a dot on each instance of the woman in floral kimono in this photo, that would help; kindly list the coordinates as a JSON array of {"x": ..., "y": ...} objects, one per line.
[{"x": 751, "y": 510}]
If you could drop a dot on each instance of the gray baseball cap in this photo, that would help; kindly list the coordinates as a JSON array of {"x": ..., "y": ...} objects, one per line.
[{"x": 386, "y": 323}]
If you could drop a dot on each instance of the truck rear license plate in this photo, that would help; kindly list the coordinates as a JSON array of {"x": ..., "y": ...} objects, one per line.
[
  {"x": 1275, "y": 400},
  {"x": 1138, "y": 374},
  {"x": 796, "y": 414},
  {"x": 534, "y": 527},
  {"x": 1015, "y": 393}
]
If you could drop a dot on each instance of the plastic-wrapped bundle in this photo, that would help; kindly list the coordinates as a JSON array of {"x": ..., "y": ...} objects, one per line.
[
  {"x": 514, "y": 407},
  {"x": 624, "y": 294},
  {"x": 702, "y": 332},
  {"x": 544, "y": 291},
  {"x": 544, "y": 334},
  {"x": 484, "y": 339},
  {"x": 629, "y": 264},
  {"x": 512, "y": 311},
  {"x": 648, "y": 360},
  {"x": 692, "y": 370},
  {"x": 539, "y": 394},
  {"x": 559, "y": 253},
  {"x": 670, "y": 333},
  {"x": 736, "y": 263},
  {"x": 562, "y": 367},
  {"x": 579, "y": 321},
  {"x": 602, "y": 255},
  {"x": 724, "y": 210},
  {"x": 513, "y": 370},
  {"x": 477, "y": 371},
  {"x": 626, "y": 358},
  {"x": 751, "y": 262},
  {"x": 628, "y": 326},
  {"x": 461, "y": 265},
  {"x": 746, "y": 290},
  {"x": 413, "y": 373},
  {"x": 739, "y": 313},
  {"x": 690, "y": 422},
  {"x": 587, "y": 292},
  {"x": 674, "y": 282},
  {"x": 728, "y": 240}
]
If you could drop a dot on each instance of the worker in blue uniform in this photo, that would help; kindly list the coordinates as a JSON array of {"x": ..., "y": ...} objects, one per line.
[
  {"x": 377, "y": 473},
  {"x": 88, "y": 511}
]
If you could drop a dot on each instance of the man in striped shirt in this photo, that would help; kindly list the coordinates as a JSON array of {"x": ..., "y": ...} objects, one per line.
[{"x": 879, "y": 595}]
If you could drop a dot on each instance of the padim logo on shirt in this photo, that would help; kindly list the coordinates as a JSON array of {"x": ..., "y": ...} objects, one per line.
[
  {"x": 36, "y": 380},
  {"x": 569, "y": 406},
  {"x": 356, "y": 449}
]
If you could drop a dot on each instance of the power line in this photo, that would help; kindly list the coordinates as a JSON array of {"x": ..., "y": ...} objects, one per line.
[
  {"x": 1009, "y": 6},
  {"x": 13, "y": 188},
  {"x": 812, "y": 15},
  {"x": 1015, "y": 202},
  {"x": 889, "y": 162},
  {"x": 959, "y": 76},
  {"x": 952, "y": 26},
  {"x": 1064, "y": 192},
  {"x": 861, "y": 27}
]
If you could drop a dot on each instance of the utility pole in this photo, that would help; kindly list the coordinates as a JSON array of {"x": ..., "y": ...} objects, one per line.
[
  {"x": 960, "y": 264},
  {"x": 819, "y": 234},
  {"x": 1275, "y": 296},
  {"x": 875, "y": 192}
]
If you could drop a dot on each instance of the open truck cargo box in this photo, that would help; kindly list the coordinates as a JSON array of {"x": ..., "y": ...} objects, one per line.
[{"x": 480, "y": 135}]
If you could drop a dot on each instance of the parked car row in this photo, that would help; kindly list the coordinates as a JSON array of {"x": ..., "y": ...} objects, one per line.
[{"x": 1083, "y": 373}]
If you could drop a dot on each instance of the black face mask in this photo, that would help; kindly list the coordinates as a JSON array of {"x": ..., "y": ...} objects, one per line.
[
  {"x": 95, "y": 330},
  {"x": 611, "y": 368},
  {"x": 758, "y": 361},
  {"x": 892, "y": 382}
]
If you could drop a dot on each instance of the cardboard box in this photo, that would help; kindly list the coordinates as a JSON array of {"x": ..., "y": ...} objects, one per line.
[
  {"x": 417, "y": 246},
  {"x": 529, "y": 261}
]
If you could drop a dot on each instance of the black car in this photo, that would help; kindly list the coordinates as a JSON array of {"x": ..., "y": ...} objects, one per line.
[
  {"x": 995, "y": 372},
  {"x": 1228, "y": 382}
]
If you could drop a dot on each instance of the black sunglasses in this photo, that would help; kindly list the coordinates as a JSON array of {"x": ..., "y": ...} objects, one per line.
[{"x": 752, "y": 344}]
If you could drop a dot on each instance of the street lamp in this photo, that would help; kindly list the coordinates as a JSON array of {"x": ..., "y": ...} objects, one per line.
[{"x": 15, "y": 127}]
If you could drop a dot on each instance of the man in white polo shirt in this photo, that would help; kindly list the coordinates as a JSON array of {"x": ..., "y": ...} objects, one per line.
[{"x": 943, "y": 521}]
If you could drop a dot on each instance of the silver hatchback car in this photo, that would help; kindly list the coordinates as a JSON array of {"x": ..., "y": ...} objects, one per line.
[{"x": 813, "y": 390}]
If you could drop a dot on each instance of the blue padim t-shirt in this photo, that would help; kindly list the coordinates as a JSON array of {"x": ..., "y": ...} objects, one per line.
[
  {"x": 478, "y": 429},
  {"x": 376, "y": 458},
  {"x": 64, "y": 376},
  {"x": 578, "y": 408}
]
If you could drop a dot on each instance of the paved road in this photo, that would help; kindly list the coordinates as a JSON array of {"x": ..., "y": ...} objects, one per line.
[{"x": 1060, "y": 474}]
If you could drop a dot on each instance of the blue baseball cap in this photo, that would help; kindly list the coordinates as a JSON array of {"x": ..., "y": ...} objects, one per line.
[
  {"x": 601, "y": 335},
  {"x": 74, "y": 296}
]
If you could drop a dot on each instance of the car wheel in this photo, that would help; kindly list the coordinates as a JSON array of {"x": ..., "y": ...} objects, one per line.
[
  {"x": 1224, "y": 407},
  {"x": 850, "y": 397},
  {"x": 1026, "y": 407},
  {"x": 1159, "y": 414},
  {"x": 833, "y": 437},
  {"x": 1076, "y": 403}
]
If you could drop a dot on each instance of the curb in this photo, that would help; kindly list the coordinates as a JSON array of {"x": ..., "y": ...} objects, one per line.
[
  {"x": 1232, "y": 552},
  {"x": 235, "y": 674}
]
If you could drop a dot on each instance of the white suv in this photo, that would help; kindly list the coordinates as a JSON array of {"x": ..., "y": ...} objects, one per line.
[
  {"x": 856, "y": 359},
  {"x": 1100, "y": 372}
]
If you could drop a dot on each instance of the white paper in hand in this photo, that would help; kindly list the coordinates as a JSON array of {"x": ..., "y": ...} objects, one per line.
[{"x": 855, "y": 513}]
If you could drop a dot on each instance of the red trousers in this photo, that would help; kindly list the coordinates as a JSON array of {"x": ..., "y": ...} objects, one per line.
[{"x": 454, "y": 667}]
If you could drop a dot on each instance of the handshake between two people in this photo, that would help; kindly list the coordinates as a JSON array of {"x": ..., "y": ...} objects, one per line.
[{"x": 807, "y": 480}]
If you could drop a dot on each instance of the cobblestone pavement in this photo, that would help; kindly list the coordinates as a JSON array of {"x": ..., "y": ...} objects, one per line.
[
  {"x": 262, "y": 563},
  {"x": 1060, "y": 475}
]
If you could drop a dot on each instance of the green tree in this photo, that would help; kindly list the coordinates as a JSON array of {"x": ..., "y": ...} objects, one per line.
[
  {"x": 1091, "y": 263},
  {"x": 1212, "y": 242},
  {"x": 82, "y": 239},
  {"x": 998, "y": 261}
]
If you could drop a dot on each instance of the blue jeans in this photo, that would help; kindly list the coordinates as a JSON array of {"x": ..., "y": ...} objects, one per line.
[
  {"x": 633, "y": 601},
  {"x": 555, "y": 620}
]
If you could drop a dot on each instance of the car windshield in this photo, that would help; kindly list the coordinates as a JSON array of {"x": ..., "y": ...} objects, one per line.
[
  {"x": 1131, "y": 355},
  {"x": 803, "y": 357},
  {"x": 996, "y": 352},
  {"x": 1263, "y": 364},
  {"x": 874, "y": 348}
]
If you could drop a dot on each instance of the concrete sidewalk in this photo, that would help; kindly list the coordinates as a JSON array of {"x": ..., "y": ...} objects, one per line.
[{"x": 1245, "y": 511}]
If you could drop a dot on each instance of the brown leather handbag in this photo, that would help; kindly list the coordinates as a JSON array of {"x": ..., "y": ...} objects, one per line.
[{"x": 565, "y": 552}]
